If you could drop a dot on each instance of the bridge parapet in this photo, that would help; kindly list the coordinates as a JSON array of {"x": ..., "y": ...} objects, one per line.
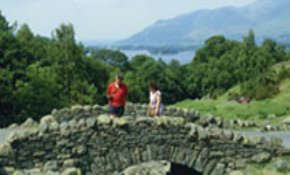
[{"x": 89, "y": 143}]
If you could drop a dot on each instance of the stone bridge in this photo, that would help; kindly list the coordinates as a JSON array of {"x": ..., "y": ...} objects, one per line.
[{"x": 83, "y": 140}]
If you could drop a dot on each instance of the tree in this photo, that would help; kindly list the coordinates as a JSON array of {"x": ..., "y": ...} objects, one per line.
[
  {"x": 115, "y": 58},
  {"x": 249, "y": 40},
  {"x": 39, "y": 95},
  {"x": 97, "y": 73},
  {"x": 67, "y": 60}
]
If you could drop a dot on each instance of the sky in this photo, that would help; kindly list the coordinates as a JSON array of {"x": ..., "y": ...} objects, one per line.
[{"x": 101, "y": 19}]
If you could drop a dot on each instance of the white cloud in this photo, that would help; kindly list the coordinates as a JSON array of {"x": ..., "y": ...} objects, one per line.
[{"x": 101, "y": 19}]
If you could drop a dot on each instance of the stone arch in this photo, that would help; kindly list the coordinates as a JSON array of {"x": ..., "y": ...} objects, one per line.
[{"x": 192, "y": 158}]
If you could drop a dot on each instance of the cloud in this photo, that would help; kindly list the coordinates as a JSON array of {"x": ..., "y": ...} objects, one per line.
[{"x": 101, "y": 19}]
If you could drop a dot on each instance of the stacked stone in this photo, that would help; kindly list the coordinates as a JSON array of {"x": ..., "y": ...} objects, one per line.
[
  {"x": 192, "y": 115},
  {"x": 78, "y": 112},
  {"x": 139, "y": 110},
  {"x": 79, "y": 140}
]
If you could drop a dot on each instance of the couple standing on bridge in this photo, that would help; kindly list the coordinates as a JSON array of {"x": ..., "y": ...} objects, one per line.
[{"x": 117, "y": 93}]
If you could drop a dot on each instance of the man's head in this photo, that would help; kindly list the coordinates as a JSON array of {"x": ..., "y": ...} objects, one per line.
[{"x": 119, "y": 78}]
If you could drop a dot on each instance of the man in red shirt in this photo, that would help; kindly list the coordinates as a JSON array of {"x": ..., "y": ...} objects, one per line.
[{"x": 117, "y": 93}]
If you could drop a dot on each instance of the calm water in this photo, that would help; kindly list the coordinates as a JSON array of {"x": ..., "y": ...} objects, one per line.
[{"x": 183, "y": 57}]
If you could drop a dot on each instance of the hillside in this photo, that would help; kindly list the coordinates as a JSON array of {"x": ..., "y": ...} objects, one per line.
[
  {"x": 268, "y": 18},
  {"x": 273, "y": 109}
]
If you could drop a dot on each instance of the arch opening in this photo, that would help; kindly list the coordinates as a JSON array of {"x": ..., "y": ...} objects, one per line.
[
  {"x": 162, "y": 167},
  {"x": 179, "y": 169}
]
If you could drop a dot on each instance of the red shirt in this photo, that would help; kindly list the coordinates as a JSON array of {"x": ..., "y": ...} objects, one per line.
[{"x": 119, "y": 94}]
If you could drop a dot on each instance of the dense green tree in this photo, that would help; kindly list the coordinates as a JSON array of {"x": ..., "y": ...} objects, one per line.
[
  {"x": 250, "y": 40},
  {"x": 97, "y": 73},
  {"x": 114, "y": 58},
  {"x": 222, "y": 63},
  {"x": 39, "y": 94}
]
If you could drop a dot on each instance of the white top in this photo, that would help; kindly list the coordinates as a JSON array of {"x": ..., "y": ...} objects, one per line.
[{"x": 153, "y": 98}]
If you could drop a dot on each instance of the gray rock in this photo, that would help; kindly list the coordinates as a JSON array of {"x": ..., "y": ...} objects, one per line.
[
  {"x": 91, "y": 122},
  {"x": 43, "y": 127},
  {"x": 5, "y": 150},
  {"x": 20, "y": 173},
  {"x": 87, "y": 108},
  {"x": 72, "y": 123},
  {"x": 77, "y": 109},
  {"x": 64, "y": 126},
  {"x": 286, "y": 121},
  {"x": 276, "y": 141},
  {"x": 256, "y": 140},
  {"x": 237, "y": 173},
  {"x": 228, "y": 134},
  {"x": 193, "y": 129},
  {"x": 219, "y": 169},
  {"x": 71, "y": 171},
  {"x": 50, "y": 166},
  {"x": 12, "y": 136},
  {"x": 69, "y": 163},
  {"x": 206, "y": 120},
  {"x": 281, "y": 165},
  {"x": 104, "y": 119},
  {"x": 13, "y": 126},
  {"x": 29, "y": 123},
  {"x": 240, "y": 164},
  {"x": 48, "y": 119},
  {"x": 54, "y": 126},
  {"x": 202, "y": 134},
  {"x": 262, "y": 157},
  {"x": 238, "y": 138},
  {"x": 51, "y": 173},
  {"x": 63, "y": 115}
]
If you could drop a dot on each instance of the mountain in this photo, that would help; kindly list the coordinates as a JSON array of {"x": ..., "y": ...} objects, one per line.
[{"x": 268, "y": 18}]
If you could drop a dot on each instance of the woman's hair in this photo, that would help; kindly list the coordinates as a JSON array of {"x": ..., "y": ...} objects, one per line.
[{"x": 153, "y": 85}]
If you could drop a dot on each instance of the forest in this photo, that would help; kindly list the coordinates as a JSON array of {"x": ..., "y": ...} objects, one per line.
[{"x": 38, "y": 74}]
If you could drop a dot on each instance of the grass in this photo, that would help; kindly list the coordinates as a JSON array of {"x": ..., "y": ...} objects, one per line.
[
  {"x": 266, "y": 169},
  {"x": 273, "y": 109}
]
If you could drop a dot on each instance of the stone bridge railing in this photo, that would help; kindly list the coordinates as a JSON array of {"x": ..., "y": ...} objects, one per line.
[
  {"x": 82, "y": 140},
  {"x": 133, "y": 110}
]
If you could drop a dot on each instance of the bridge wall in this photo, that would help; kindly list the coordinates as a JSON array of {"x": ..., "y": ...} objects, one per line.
[{"x": 90, "y": 144}]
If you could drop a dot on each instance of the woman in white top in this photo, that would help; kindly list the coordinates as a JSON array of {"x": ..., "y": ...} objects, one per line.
[{"x": 155, "y": 105}]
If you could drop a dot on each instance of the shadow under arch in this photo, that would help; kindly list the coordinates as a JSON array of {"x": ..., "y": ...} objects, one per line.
[
  {"x": 179, "y": 169},
  {"x": 163, "y": 167}
]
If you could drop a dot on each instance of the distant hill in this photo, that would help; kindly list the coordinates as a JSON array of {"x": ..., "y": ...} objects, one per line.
[{"x": 268, "y": 18}]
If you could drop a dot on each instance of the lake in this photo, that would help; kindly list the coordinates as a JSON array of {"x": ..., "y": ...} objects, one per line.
[{"x": 183, "y": 57}]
